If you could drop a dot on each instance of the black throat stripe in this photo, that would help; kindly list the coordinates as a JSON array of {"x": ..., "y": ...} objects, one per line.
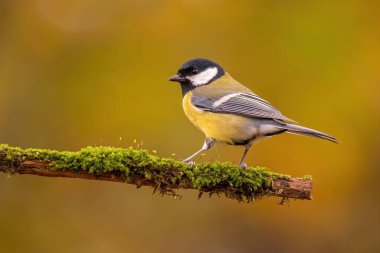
[{"x": 186, "y": 87}]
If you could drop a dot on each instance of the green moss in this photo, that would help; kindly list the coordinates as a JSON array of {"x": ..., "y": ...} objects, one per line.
[
  {"x": 167, "y": 174},
  {"x": 307, "y": 177}
]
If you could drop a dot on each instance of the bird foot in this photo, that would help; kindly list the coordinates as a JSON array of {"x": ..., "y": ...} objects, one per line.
[
  {"x": 190, "y": 163},
  {"x": 243, "y": 165}
]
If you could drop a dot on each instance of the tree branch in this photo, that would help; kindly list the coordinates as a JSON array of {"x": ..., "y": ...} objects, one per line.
[{"x": 140, "y": 168}]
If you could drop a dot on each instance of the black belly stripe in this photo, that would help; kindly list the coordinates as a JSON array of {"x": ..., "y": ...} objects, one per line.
[
  {"x": 243, "y": 142},
  {"x": 279, "y": 132}
]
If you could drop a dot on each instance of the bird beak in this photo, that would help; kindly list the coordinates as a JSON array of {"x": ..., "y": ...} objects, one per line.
[{"x": 177, "y": 78}]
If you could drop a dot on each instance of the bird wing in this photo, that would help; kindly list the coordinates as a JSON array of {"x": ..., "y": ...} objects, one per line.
[{"x": 244, "y": 104}]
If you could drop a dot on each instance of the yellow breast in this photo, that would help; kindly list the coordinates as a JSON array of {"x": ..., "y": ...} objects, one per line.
[{"x": 226, "y": 128}]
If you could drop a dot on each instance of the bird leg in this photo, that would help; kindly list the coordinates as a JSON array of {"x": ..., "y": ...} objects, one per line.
[
  {"x": 206, "y": 146},
  {"x": 241, "y": 163}
]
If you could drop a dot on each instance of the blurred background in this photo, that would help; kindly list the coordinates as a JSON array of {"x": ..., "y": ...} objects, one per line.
[{"x": 79, "y": 73}]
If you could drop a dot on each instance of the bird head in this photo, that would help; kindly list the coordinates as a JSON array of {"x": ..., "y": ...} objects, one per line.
[{"x": 198, "y": 72}]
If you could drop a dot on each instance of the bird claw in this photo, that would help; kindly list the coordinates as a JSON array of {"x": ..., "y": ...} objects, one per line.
[
  {"x": 243, "y": 165},
  {"x": 190, "y": 163}
]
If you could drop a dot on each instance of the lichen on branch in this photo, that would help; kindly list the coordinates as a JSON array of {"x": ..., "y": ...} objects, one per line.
[{"x": 139, "y": 167}]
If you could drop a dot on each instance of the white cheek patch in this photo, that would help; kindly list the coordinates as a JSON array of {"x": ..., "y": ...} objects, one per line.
[{"x": 203, "y": 77}]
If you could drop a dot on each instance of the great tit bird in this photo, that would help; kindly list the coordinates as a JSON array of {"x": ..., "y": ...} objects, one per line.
[{"x": 227, "y": 111}]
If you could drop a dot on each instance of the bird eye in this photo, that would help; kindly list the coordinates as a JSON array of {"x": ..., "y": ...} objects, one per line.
[{"x": 194, "y": 71}]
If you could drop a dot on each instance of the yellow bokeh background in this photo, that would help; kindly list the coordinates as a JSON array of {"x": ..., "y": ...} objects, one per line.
[{"x": 75, "y": 73}]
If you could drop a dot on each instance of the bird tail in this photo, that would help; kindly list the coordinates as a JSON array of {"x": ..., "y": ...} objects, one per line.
[{"x": 295, "y": 129}]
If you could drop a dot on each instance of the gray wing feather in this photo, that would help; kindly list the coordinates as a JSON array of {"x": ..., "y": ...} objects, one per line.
[{"x": 245, "y": 104}]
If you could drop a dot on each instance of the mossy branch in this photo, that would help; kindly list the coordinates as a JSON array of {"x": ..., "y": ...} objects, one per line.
[{"x": 163, "y": 174}]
